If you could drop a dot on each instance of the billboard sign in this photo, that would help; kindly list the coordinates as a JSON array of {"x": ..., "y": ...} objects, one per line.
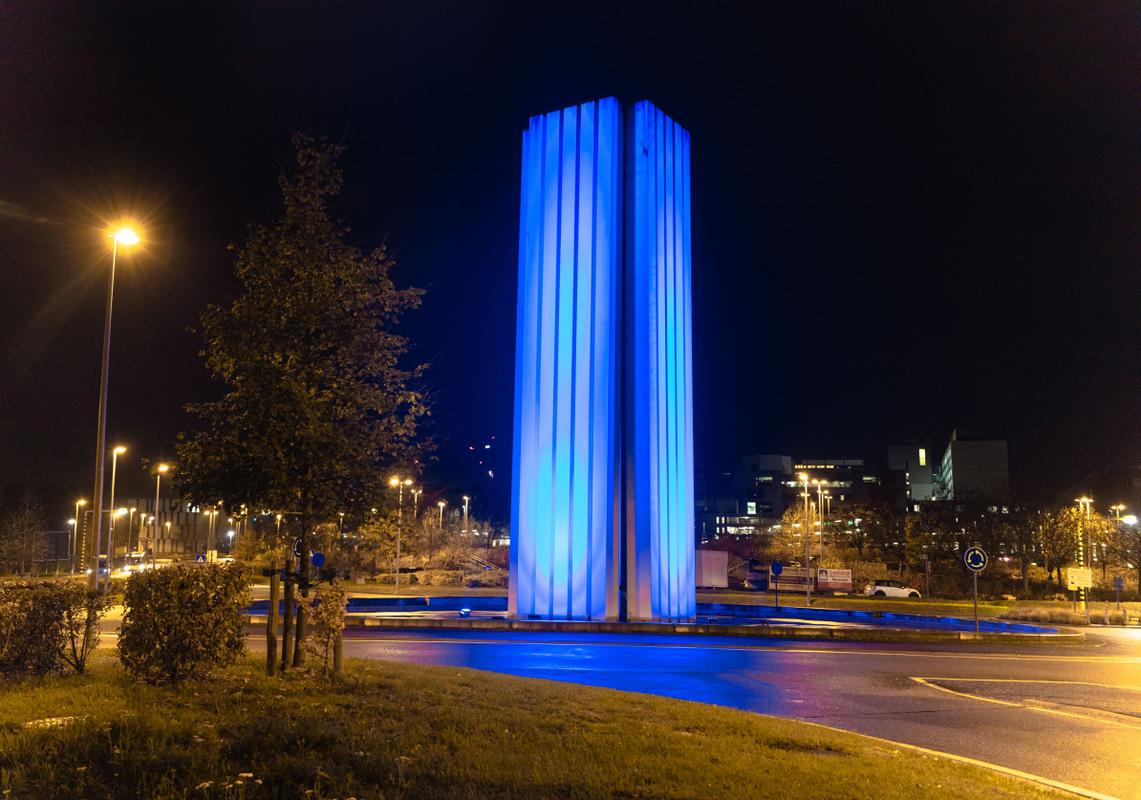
[
  {"x": 790, "y": 579},
  {"x": 834, "y": 580}
]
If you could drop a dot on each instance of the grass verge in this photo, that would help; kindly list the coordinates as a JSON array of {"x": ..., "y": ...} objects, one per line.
[{"x": 402, "y": 731}]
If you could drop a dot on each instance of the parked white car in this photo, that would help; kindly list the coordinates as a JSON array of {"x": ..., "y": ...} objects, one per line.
[{"x": 890, "y": 589}]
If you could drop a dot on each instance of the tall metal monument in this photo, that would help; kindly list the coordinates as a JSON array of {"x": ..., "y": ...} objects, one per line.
[{"x": 602, "y": 492}]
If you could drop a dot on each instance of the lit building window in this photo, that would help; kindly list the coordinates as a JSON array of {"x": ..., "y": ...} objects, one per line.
[{"x": 922, "y": 456}]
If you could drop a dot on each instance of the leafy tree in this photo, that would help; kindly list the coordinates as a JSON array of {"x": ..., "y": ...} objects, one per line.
[
  {"x": 21, "y": 542},
  {"x": 1058, "y": 539},
  {"x": 788, "y": 539},
  {"x": 1129, "y": 547},
  {"x": 318, "y": 407},
  {"x": 858, "y": 528}
]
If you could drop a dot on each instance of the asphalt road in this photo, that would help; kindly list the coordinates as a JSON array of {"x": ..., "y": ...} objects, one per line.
[{"x": 1071, "y": 713}]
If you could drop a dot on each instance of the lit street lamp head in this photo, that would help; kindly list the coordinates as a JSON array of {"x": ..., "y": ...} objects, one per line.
[
  {"x": 126, "y": 236},
  {"x": 119, "y": 450}
]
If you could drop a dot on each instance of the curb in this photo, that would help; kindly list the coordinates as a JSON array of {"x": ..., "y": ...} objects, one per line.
[{"x": 739, "y": 631}]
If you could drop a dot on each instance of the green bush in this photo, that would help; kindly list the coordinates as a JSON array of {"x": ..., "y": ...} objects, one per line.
[
  {"x": 183, "y": 621},
  {"x": 48, "y": 625},
  {"x": 496, "y": 578},
  {"x": 327, "y": 621},
  {"x": 31, "y": 629}
]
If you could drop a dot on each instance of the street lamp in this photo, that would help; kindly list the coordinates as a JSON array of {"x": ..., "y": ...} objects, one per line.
[
  {"x": 160, "y": 470},
  {"x": 1085, "y": 505},
  {"x": 416, "y": 502},
  {"x": 807, "y": 545},
  {"x": 398, "y": 483},
  {"x": 441, "y": 504},
  {"x": 115, "y": 453},
  {"x": 126, "y": 237},
  {"x": 467, "y": 501},
  {"x": 78, "y": 525}
]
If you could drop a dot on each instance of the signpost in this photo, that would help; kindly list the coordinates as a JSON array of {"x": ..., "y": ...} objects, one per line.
[
  {"x": 1118, "y": 585},
  {"x": 1077, "y": 580},
  {"x": 774, "y": 571},
  {"x": 975, "y": 559}
]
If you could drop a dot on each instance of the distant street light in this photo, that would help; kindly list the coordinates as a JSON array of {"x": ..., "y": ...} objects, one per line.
[
  {"x": 160, "y": 470},
  {"x": 1085, "y": 505},
  {"x": 807, "y": 545},
  {"x": 127, "y": 237},
  {"x": 398, "y": 483},
  {"x": 467, "y": 502},
  {"x": 115, "y": 453},
  {"x": 78, "y": 553},
  {"x": 441, "y": 504}
]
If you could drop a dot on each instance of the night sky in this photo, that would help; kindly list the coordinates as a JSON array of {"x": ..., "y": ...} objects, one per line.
[{"x": 907, "y": 216}]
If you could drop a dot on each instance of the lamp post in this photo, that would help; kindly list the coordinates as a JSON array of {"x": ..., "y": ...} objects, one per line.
[
  {"x": 77, "y": 553},
  {"x": 416, "y": 502},
  {"x": 1085, "y": 504},
  {"x": 160, "y": 470},
  {"x": 398, "y": 483},
  {"x": 127, "y": 238},
  {"x": 441, "y": 504},
  {"x": 73, "y": 523},
  {"x": 825, "y": 510},
  {"x": 807, "y": 545},
  {"x": 115, "y": 453},
  {"x": 467, "y": 502},
  {"x": 211, "y": 514}
]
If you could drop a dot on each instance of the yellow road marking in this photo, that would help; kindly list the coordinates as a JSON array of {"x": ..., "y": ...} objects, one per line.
[{"x": 1029, "y": 705}]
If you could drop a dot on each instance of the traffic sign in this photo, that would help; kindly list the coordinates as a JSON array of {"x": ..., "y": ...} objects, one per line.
[
  {"x": 975, "y": 558},
  {"x": 200, "y": 558},
  {"x": 297, "y": 547},
  {"x": 1079, "y": 578},
  {"x": 777, "y": 568},
  {"x": 318, "y": 560},
  {"x": 1118, "y": 583}
]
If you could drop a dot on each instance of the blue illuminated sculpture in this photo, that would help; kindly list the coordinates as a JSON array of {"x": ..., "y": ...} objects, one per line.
[{"x": 602, "y": 494}]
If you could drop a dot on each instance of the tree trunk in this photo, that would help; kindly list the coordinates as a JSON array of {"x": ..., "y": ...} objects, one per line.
[
  {"x": 287, "y": 614},
  {"x": 303, "y": 582},
  {"x": 271, "y": 622},
  {"x": 1025, "y": 575}
]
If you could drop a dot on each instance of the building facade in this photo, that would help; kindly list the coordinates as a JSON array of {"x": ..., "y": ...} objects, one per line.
[{"x": 974, "y": 468}]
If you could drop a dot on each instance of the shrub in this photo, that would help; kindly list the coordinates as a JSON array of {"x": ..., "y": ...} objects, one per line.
[
  {"x": 83, "y": 608},
  {"x": 183, "y": 621},
  {"x": 495, "y": 578},
  {"x": 31, "y": 629},
  {"x": 327, "y": 615},
  {"x": 46, "y": 626}
]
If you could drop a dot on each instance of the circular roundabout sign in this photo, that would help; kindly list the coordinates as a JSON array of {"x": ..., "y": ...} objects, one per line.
[{"x": 975, "y": 558}]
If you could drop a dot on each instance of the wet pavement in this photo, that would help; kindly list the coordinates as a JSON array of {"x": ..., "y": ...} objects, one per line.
[{"x": 1071, "y": 713}]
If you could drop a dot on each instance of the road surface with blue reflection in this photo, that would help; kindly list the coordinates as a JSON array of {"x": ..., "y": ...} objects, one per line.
[{"x": 1071, "y": 713}]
